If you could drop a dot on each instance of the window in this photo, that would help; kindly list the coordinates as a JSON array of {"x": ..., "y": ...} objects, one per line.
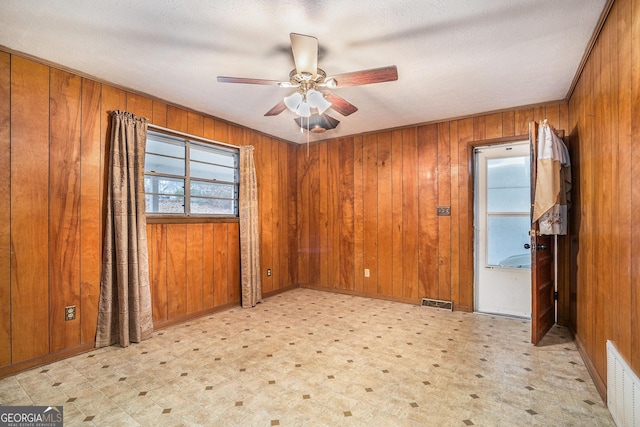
[{"x": 186, "y": 177}]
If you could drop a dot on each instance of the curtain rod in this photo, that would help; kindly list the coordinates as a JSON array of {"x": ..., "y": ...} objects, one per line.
[{"x": 187, "y": 135}]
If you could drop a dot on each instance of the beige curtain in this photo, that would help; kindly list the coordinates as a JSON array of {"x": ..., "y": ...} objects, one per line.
[
  {"x": 249, "y": 234},
  {"x": 124, "y": 307}
]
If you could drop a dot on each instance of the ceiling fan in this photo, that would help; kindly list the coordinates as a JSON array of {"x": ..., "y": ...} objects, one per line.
[{"x": 312, "y": 96}]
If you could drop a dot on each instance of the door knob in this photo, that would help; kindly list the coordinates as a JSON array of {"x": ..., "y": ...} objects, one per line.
[
  {"x": 542, "y": 247},
  {"x": 527, "y": 246}
]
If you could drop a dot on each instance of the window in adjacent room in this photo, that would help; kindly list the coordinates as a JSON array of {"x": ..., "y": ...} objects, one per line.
[{"x": 189, "y": 178}]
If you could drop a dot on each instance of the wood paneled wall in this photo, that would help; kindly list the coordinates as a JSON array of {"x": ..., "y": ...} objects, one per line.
[
  {"x": 54, "y": 128},
  {"x": 369, "y": 202},
  {"x": 605, "y": 142}
]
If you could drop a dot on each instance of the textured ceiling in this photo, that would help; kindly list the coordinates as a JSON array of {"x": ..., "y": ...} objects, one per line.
[{"x": 454, "y": 57}]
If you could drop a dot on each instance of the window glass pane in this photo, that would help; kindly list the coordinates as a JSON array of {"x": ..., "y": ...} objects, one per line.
[
  {"x": 162, "y": 184},
  {"x": 208, "y": 189},
  {"x": 506, "y": 236},
  {"x": 508, "y": 182},
  {"x": 212, "y": 206},
  {"x": 160, "y": 144},
  {"x": 209, "y": 180},
  {"x": 157, "y": 203},
  {"x": 164, "y": 165},
  {"x": 207, "y": 171},
  {"x": 210, "y": 155}
]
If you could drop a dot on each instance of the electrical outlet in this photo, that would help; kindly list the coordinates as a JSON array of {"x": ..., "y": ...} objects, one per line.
[
  {"x": 366, "y": 272},
  {"x": 268, "y": 272},
  {"x": 70, "y": 313}
]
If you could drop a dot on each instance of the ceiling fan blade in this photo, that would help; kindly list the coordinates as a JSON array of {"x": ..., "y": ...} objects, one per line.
[
  {"x": 340, "y": 104},
  {"x": 305, "y": 53},
  {"x": 223, "y": 79},
  {"x": 277, "y": 109},
  {"x": 365, "y": 77}
]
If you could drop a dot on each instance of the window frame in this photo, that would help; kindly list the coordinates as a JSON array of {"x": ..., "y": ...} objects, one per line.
[{"x": 187, "y": 141}]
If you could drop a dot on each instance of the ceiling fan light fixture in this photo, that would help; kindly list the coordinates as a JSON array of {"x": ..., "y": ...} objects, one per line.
[
  {"x": 317, "y": 123},
  {"x": 331, "y": 83},
  {"x": 303, "y": 110},
  {"x": 316, "y": 100},
  {"x": 293, "y": 101}
]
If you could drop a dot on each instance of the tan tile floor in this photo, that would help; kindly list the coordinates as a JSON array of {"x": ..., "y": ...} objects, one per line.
[{"x": 321, "y": 359}]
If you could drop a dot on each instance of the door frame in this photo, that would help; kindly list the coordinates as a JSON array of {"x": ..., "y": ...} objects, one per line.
[{"x": 524, "y": 146}]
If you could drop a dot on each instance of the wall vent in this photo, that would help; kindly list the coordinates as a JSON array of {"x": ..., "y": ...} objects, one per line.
[
  {"x": 429, "y": 302},
  {"x": 623, "y": 390}
]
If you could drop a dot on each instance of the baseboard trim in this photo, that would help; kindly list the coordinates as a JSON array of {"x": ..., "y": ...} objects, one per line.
[
  {"x": 601, "y": 386},
  {"x": 16, "y": 368}
]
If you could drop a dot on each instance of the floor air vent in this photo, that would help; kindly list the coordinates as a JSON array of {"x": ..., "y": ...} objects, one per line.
[
  {"x": 428, "y": 302},
  {"x": 623, "y": 390}
]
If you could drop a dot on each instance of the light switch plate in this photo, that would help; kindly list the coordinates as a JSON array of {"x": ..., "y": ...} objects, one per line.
[{"x": 444, "y": 210}]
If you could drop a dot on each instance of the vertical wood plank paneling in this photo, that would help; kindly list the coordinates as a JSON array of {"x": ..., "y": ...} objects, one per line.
[
  {"x": 428, "y": 221},
  {"x": 396, "y": 212},
  {"x": 222, "y": 132},
  {"x": 303, "y": 215},
  {"x": 509, "y": 123},
  {"x": 613, "y": 313},
  {"x": 316, "y": 187},
  {"x": 410, "y": 213},
  {"x": 159, "y": 115},
  {"x": 586, "y": 184},
  {"x": 465, "y": 203},
  {"x": 208, "y": 125},
  {"x": 563, "y": 117},
  {"x": 220, "y": 264},
  {"x": 606, "y": 239},
  {"x": 635, "y": 143},
  {"x": 5, "y": 209},
  {"x": 139, "y": 105},
  {"x": 370, "y": 179},
  {"x": 265, "y": 206},
  {"x": 624, "y": 193},
  {"x": 29, "y": 209},
  {"x": 176, "y": 272},
  {"x": 333, "y": 210},
  {"x": 598, "y": 209},
  {"x": 292, "y": 203},
  {"x": 233, "y": 266},
  {"x": 454, "y": 171},
  {"x": 275, "y": 209},
  {"x": 358, "y": 213},
  {"x": 385, "y": 216},
  {"x": 90, "y": 213},
  {"x": 321, "y": 160},
  {"x": 444, "y": 199},
  {"x": 479, "y": 128},
  {"x": 177, "y": 119},
  {"x": 194, "y": 268},
  {"x": 64, "y": 207},
  {"x": 522, "y": 118},
  {"x": 552, "y": 114},
  {"x": 345, "y": 191},
  {"x": 284, "y": 253},
  {"x": 208, "y": 243},
  {"x": 195, "y": 124},
  {"x": 493, "y": 126},
  {"x": 157, "y": 240}
]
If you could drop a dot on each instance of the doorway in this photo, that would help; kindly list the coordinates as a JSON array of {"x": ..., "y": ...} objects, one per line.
[{"x": 502, "y": 222}]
